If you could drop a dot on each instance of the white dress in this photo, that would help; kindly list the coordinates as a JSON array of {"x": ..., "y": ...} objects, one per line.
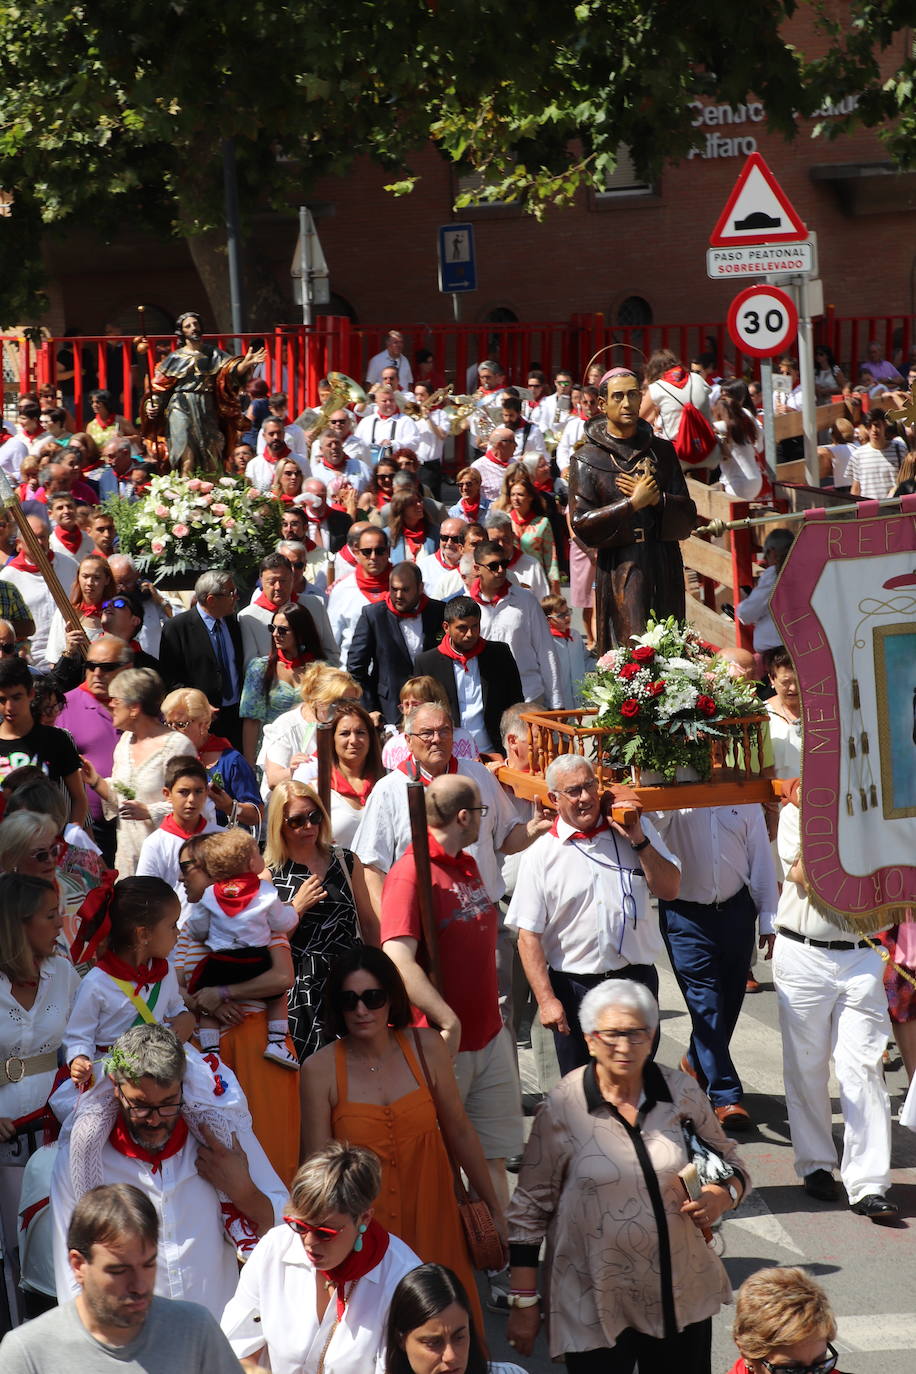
[{"x": 146, "y": 780}]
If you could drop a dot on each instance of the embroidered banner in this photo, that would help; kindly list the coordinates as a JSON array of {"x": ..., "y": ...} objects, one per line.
[{"x": 845, "y": 604}]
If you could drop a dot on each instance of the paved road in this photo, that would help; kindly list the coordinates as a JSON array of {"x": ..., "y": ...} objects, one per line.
[{"x": 868, "y": 1271}]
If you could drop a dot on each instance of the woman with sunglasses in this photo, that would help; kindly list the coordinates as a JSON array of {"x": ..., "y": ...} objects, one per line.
[
  {"x": 233, "y": 787},
  {"x": 31, "y": 845},
  {"x": 783, "y": 1325},
  {"x": 431, "y": 1330},
  {"x": 314, "y": 1295},
  {"x": 383, "y": 1084},
  {"x": 470, "y": 506},
  {"x": 287, "y": 483},
  {"x": 327, "y": 887},
  {"x": 273, "y": 682},
  {"x": 379, "y": 491},
  {"x": 93, "y": 584}
]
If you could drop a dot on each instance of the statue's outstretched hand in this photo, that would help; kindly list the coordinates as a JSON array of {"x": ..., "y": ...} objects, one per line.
[{"x": 253, "y": 357}]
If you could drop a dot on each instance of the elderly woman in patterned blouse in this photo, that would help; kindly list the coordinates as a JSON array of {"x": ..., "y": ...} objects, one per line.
[{"x": 632, "y": 1278}]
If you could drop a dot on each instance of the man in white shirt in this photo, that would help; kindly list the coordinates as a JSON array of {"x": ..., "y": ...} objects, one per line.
[
  {"x": 148, "y": 1125},
  {"x": 18, "y": 447},
  {"x": 535, "y": 409},
  {"x": 495, "y": 462},
  {"x": 66, "y": 535},
  {"x": 276, "y": 579},
  {"x": 523, "y": 569},
  {"x": 511, "y": 613},
  {"x": 480, "y": 678},
  {"x": 342, "y": 423},
  {"x": 23, "y": 574},
  {"x": 441, "y": 575},
  {"x": 832, "y": 1005},
  {"x": 581, "y": 903},
  {"x": 433, "y": 428},
  {"x": 261, "y": 470},
  {"x": 728, "y": 882},
  {"x": 574, "y": 429},
  {"x": 554, "y": 410},
  {"x": 387, "y": 429},
  {"x": 368, "y": 584},
  {"x": 528, "y": 437},
  {"x": 392, "y": 355},
  {"x": 334, "y": 468},
  {"x": 384, "y": 830},
  {"x": 293, "y": 434},
  {"x": 156, "y": 609}
]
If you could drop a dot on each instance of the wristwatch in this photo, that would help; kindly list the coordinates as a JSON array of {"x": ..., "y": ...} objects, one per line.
[
  {"x": 732, "y": 1191},
  {"x": 643, "y": 844}
]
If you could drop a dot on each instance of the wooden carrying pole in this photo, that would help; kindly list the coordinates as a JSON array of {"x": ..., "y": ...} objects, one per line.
[
  {"x": 9, "y": 500},
  {"x": 325, "y": 740},
  {"x": 419, "y": 838}
]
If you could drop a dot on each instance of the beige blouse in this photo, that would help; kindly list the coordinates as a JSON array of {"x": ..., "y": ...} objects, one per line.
[{"x": 587, "y": 1183}]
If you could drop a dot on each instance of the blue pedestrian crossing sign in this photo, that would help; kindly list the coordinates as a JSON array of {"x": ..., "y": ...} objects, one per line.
[{"x": 457, "y": 260}]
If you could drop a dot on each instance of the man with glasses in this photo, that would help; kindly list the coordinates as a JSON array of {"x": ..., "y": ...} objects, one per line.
[
  {"x": 441, "y": 575},
  {"x": 156, "y": 1122},
  {"x": 368, "y": 584},
  {"x": 276, "y": 581},
  {"x": 512, "y": 614},
  {"x": 203, "y": 648},
  {"x": 24, "y": 742},
  {"x": 87, "y": 716},
  {"x": 387, "y": 429},
  {"x": 523, "y": 568},
  {"x": 341, "y": 423},
  {"x": 581, "y": 902}
]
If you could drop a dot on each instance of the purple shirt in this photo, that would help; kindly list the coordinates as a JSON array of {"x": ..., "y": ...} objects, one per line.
[
  {"x": 883, "y": 371},
  {"x": 91, "y": 726}
]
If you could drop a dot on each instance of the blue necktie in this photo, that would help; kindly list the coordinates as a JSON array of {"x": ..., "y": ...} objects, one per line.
[{"x": 222, "y": 659}]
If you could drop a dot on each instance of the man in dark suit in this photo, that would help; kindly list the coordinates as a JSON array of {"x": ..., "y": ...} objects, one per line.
[
  {"x": 202, "y": 648},
  {"x": 480, "y": 676},
  {"x": 389, "y": 635}
]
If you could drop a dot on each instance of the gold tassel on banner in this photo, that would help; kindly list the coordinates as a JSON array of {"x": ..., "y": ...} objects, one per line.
[
  {"x": 863, "y": 799},
  {"x": 850, "y": 809},
  {"x": 874, "y": 795},
  {"x": 863, "y": 742},
  {"x": 852, "y": 747},
  {"x": 856, "y": 704}
]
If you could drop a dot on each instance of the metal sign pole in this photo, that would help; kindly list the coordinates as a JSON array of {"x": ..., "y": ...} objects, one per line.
[
  {"x": 305, "y": 266},
  {"x": 806, "y": 377},
  {"x": 769, "y": 428}
]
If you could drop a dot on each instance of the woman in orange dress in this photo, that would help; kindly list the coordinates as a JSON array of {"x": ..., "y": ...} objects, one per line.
[{"x": 393, "y": 1089}]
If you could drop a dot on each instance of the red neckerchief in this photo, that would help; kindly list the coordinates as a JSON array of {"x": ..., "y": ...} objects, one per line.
[
  {"x": 141, "y": 975},
  {"x": 358, "y": 791},
  {"x": 449, "y": 567},
  {"x": 476, "y": 595},
  {"x": 417, "y": 774},
  {"x": 87, "y": 608},
  {"x": 271, "y": 458},
  {"x": 215, "y": 744},
  {"x": 121, "y": 1140},
  {"x": 287, "y": 500},
  {"x": 559, "y": 634},
  {"x": 234, "y": 894},
  {"x": 583, "y": 834},
  {"x": 171, "y": 827},
  {"x": 677, "y": 376},
  {"x": 406, "y": 615},
  {"x": 500, "y": 462},
  {"x": 381, "y": 500},
  {"x": 21, "y": 561},
  {"x": 105, "y": 424},
  {"x": 545, "y": 484},
  {"x": 101, "y": 701},
  {"x": 348, "y": 556},
  {"x": 518, "y": 519},
  {"x": 415, "y": 536},
  {"x": 71, "y": 539},
  {"x": 373, "y": 588},
  {"x": 294, "y": 664},
  {"x": 265, "y": 605},
  {"x": 357, "y": 1263},
  {"x": 462, "y": 862},
  {"x": 446, "y": 647},
  {"x": 472, "y": 512}
]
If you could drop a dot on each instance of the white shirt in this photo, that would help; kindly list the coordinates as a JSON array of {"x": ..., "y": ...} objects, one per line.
[
  {"x": 36, "y": 1031},
  {"x": 12, "y": 452},
  {"x": 195, "y": 1261},
  {"x": 40, "y": 602},
  {"x": 436, "y": 575},
  {"x": 159, "y": 859},
  {"x": 352, "y": 447},
  {"x": 741, "y": 475},
  {"x": 396, "y": 749},
  {"x": 293, "y": 437},
  {"x": 345, "y": 602},
  {"x": 86, "y": 547},
  {"x": 573, "y": 431},
  {"x": 262, "y": 470},
  {"x": 384, "y": 359},
  {"x": 345, "y": 820},
  {"x": 254, "y": 623},
  {"x": 397, "y": 430},
  {"x": 795, "y": 911},
  {"x": 491, "y": 476},
  {"x": 384, "y": 831},
  {"x": 671, "y": 400},
  {"x": 572, "y": 665},
  {"x": 571, "y": 893},
  {"x": 529, "y": 572},
  {"x": 353, "y": 470},
  {"x": 755, "y": 610},
  {"x": 722, "y": 849},
  {"x": 875, "y": 469},
  {"x": 275, "y": 1305},
  {"x": 470, "y": 702},
  {"x": 150, "y": 636},
  {"x": 429, "y": 449},
  {"x": 786, "y": 736},
  {"x": 101, "y": 1012},
  {"x": 263, "y": 916},
  {"x": 289, "y": 734},
  {"x": 517, "y": 620}
]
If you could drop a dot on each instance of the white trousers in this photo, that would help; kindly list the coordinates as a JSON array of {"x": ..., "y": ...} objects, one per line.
[{"x": 832, "y": 1003}]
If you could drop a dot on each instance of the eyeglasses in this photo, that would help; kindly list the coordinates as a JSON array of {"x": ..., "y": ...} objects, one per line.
[
  {"x": 823, "y": 1366},
  {"x": 142, "y": 1111},
  {"x": 499, "y": 565},
  {"x": 103, "y": 665},
  {"x": 305, "y": 1228},
  {"x": 377, "y": 551},
  {"x": 41, "y": 856},
  {"x": 300, "y": 822},
  {"x": 560, "y": 615},
  {"x": 178, "y": 724},
  {"x": 185, "y": 865},
  {"x": 427, "y": 736},
  {"x": 117, "y": 603},
  {"x": 629, "y": 1037},
  {"x": 468, "y": 484},
  {"x": 7, "y": 646},
  {"x": 451, "y": 539},
  {"x": 281, "y": 629},
  {"x": 231, "y": 595},
  {"x": 338, "y": 422},
  {"x": 482, "y": 809},
  {"x": 297, "y": 567},
  {"x": 577, "y": 789},
  {"x": 373, "y": 999}
]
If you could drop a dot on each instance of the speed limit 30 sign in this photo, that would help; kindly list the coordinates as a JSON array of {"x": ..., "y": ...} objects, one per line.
[{"x": 762, "y": 320}]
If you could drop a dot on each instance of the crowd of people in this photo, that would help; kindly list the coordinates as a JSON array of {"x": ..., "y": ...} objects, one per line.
[{"x": 248, "y": 1049}]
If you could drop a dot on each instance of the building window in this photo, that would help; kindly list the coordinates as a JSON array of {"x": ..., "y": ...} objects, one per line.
[
  {"x": 473, "y": 181},
  {"x": 634, "y": 310},
  {"x": 623, "y": 181}
]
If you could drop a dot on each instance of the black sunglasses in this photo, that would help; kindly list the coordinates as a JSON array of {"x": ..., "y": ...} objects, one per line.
[
  {"x": 373, "y": 999},
  {"x": 104, "y": 665},
  {"x": 300, "y": 822},
  {"x": 499, "y": 566},
  {"x": 8, "y": 646}
]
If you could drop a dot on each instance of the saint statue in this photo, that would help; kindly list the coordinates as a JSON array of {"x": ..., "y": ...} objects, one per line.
[
  {"x": 628, "y": 499},
  {"x": 193, "y": 400}
]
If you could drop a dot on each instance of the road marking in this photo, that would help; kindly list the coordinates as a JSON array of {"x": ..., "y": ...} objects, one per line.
[{"x": 877, "y": 1331}]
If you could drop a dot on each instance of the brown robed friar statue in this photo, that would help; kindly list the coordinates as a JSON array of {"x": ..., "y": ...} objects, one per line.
[{"x": 628, "y": 499}]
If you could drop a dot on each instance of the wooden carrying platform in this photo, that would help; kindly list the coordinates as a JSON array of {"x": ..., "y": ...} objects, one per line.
[{"x": 733, "y": 780}]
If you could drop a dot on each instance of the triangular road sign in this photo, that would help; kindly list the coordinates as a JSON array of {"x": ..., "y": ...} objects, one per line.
[{"x": 757, "y": 211}]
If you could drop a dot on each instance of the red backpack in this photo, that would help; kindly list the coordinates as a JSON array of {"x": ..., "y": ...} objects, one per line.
[{"x": 695, "y": 438}]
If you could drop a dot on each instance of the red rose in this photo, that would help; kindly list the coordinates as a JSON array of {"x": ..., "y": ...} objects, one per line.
[
  {"x": 629, "y": 670},
  {"x": 706, "y": 706},
  {"x": 656, "y": 688},
  {"x": 629, "y": 708},
  {"x": 644, "y": 654}
]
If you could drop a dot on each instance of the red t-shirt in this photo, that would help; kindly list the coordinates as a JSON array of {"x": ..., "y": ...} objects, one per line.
[{"x": 467, "y": 922}]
